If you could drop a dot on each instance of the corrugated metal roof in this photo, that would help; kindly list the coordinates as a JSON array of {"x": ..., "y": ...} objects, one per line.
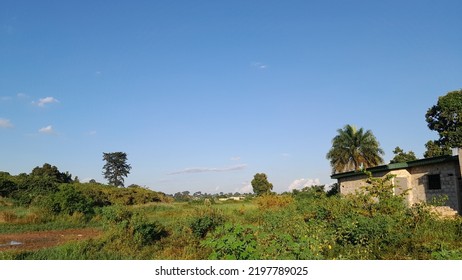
[{"x": 396, "y": 166}]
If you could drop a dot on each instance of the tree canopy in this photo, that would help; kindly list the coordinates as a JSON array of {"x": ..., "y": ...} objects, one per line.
[
  {"x": 401, "y": 156},
  {"x": 261, "y": 185},
  {"x": 52, "y": 172},
  {"x": 446, "y": 118},
  {"x": 116, "y": 168},
  {"x": 353, "y": 149},
  {"x": 435, "y": 150}
]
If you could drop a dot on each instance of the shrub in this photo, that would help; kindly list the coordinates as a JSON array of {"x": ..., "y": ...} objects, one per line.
[
  {"x": 132, "y": 227},
  {"x": 207, "y": 221},
  {"x": 116, "y": 216},
  {"x": 68, "y": 200},
  {"x": 146, "y": 233},
  {"x": 233, "y": 242},
  {"x": 31, "y": 189},
  {"x": 273, "y": 201},
  {"x": 7, "y": 186},
  {"x": 444, "y": 254},
  {"x": 285, "y": 235},
  {"x": 8, "y": 216}
]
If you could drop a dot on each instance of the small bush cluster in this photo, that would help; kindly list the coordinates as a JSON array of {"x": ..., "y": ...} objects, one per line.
[
  {"x": 68, "y": 200},
  {"x": 103, "y": 195},
  {"x": 233, "y": 242},
  {"x": 273, "y": 201},
  {"x": 132, "y": 227},
  {"x": 206, "y": 221}
]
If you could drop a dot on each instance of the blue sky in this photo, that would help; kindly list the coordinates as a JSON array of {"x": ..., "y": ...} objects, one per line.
[{"x": 202, "y": 95}]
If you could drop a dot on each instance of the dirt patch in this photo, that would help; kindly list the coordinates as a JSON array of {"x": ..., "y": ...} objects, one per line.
[{"x": 44, "y": 239}]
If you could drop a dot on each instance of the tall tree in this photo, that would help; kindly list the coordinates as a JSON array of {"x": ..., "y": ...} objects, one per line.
[
  {"x": 353, "y": 149},
  {"x": 401, "y": 156},
  {"x": 446, "y": 118},
  {"x": 116, "y": 168},
  {"x": 435, "y": 150},
  {"x": 261, "y": 185}
]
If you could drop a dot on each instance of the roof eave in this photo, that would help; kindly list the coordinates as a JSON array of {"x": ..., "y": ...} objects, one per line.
[{"x": 395, "y": 166}]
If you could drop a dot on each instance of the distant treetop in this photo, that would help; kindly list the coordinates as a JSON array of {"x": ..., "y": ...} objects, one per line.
[
  {"x": 401, "y": 156},
  {"x": 116, "y": 168}
]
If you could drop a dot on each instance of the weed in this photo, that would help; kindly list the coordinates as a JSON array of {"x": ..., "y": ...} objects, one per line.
[
  {"x": 205, "y": 222},
  {"x": 273, "y": 201}
]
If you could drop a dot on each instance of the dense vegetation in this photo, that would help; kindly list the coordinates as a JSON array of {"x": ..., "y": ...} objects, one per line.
[{"x": 138, "y": 223}]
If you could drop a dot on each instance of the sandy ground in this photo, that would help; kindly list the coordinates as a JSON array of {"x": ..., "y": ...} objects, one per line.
[{"x": 44, "y": 239}]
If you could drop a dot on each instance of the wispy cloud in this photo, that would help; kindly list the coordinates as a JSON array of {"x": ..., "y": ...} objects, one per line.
[
  {"x": 47, "y": 130},
  {"x": 301, "y": 183},
  {"x": 209, "y": 169},
  {"x": 246, "y": 187},
  {"x": 22, "y": 95},
  {"x": 259, "y": 65},
  {"x": 44, "y": 101},
  {"x": 4, "y": 123},
  {"x": 5, "y": 98},
  {"x": 235, "y": 158}
]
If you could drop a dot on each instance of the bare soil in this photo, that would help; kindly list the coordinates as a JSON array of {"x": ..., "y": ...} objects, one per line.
[{"x": 44, "y": 239}]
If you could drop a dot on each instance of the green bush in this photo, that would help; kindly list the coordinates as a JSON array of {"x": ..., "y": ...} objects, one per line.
[
  {"x": 31, "y": 189},
  {"x": 116, "y": 216},
  {"x": 104, "y": 195},
  {"x": 132, "y": 227},
  {"x": 146, "y": 233},
  {"x": 206, "y": 222},
  {"x": 67, "y": 200},
  {"x": 233, "y": 242},
  {"x": 7, "y": 185},
  {"x": 444, "y": 254},
  {"x": 285, "y": 235}
]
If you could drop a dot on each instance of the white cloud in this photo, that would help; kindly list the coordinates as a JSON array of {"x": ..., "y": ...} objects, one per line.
[
  {"x": 286, "y": 155},
  {"x": 4, "y": 123},
  {"x": 235, "y": 158},
  {"x": 47, "y": 100},
  {"x": 246, "y": 188},
  {"x": 301, "y": 183},
  {"x": 5, "y": 98},
  {"x": 22, "y": 95},
  {"x": 259, "y": 65},
  {"x": 47, "y": 130},
  {"x": 209, "y": 169}
]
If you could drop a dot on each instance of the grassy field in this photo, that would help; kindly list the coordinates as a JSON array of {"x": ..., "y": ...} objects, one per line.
[{"x": 305, "y": 225}]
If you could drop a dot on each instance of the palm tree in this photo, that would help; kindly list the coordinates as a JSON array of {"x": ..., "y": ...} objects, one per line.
[{"x": 353, "y": 149}]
